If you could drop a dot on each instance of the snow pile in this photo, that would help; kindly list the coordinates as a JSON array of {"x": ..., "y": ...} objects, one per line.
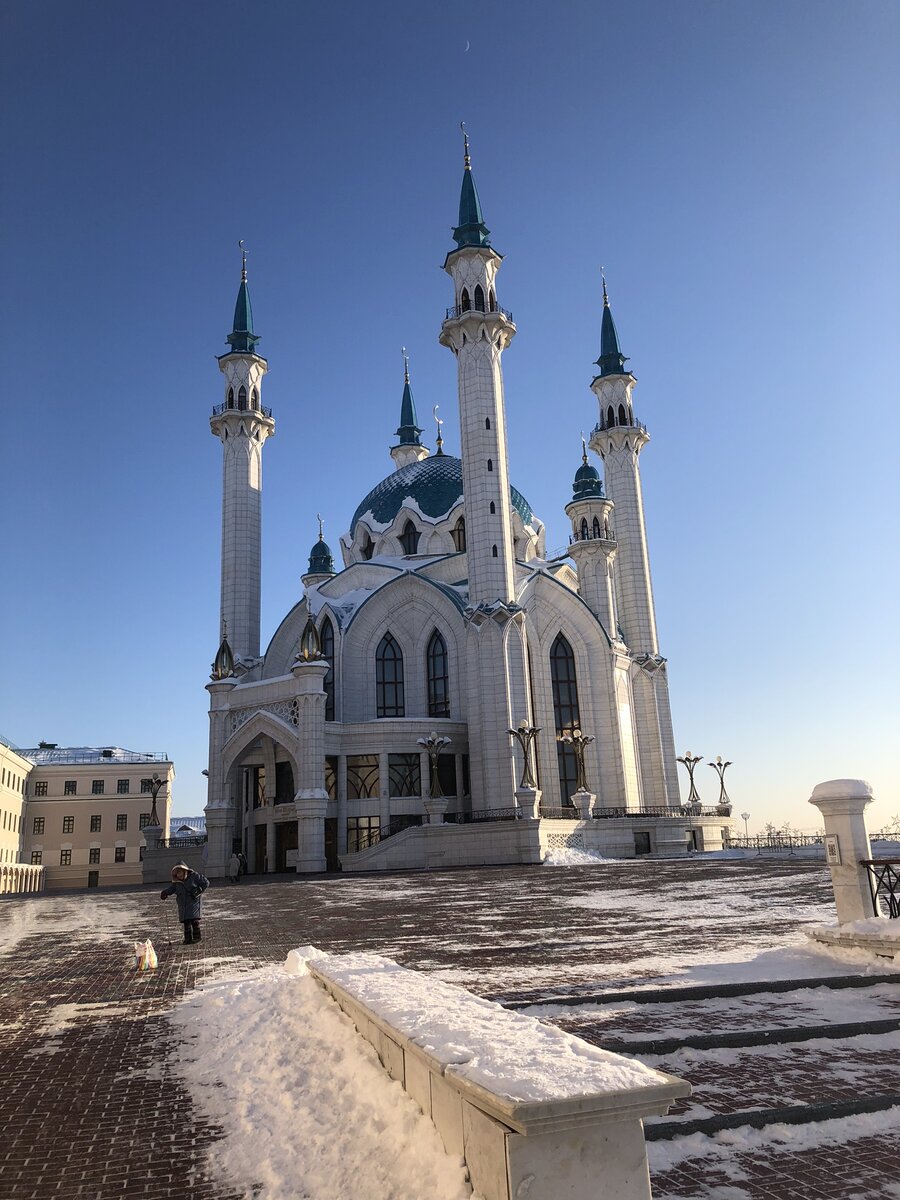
[
  {"x": 307, "y": 1110},
  {"x": 507, "y": 1053},
  {"x": 570, "y": 856}
]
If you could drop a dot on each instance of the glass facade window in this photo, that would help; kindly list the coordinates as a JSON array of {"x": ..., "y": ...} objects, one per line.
[
  {"x": 38, "y": 826},
  {"x": 93, "y": 855},
  {"x": 70, "y": 787},
  {"x": 97, "y": 787},
  {"x": 405, "y": 775},
  {"x": 36, "y": 856},
  {"x": 121, "y": 822},
  {"x": 120, "y": 853},
  {"x": 458, "y": 532},
  {"x": 96, "y": 823},
  {"x": 68, "y": 825},
  {"x": 362, "y": 832},
  {"x": 362, "y": 776},
  {"x": 143, "y": 820},
  {"x": 40, "y": 788},
  {"x": 65, "y": 858},
  {"x": 122, "y": 788},
  {"x": 447, "y": 774},
  {"x": 565, "y": 711},
  {"x": 326, "y": 640},
  {"x": 389, "y": 692},
  {"x": 438, "y": 677},
  {"x": 331, "y": 771}
]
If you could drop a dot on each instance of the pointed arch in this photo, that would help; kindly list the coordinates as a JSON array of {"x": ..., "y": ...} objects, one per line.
[
  {"x": 438, "y": 676},
  {"x": 409, "y": 539},
  {"x": 326, "y": 641},
  {"x": 623, "y": 417},
  {"x": 458, "y": 533},
  {"x": 492, "y": 300},
  {"x": 367, "y": 546},
  {"x": 565, "y": 712},
  {"x": 389, "y": 691},
  {"x": 493, "y": 551},
  {"x": 254, "y": 399},
  {"x": 584, "y": 529},
  {"x": 464, "y": 302},
  {"x": 231, "y": 397},
  {"x": 610, "y": 417},
  {"x": 596, "y": 527},
  {"x": 479, "y": 298},
  {"x": 490, "y": 464},
  {"x": 493, "y": 509}
]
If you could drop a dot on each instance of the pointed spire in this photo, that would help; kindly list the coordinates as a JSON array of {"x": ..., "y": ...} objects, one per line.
[
  {"x": 408, "y": 431},
  {"x": 611, "y": 361},
  {"x": 439, "y": 442},
  {"x": 242, "y": 338},
  {"x": 471, "y": 230},
  {"x": 223, "y": 665}
]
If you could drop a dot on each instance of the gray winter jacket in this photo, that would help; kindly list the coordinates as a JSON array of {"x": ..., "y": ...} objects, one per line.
[{"x": 187, "y": 892}]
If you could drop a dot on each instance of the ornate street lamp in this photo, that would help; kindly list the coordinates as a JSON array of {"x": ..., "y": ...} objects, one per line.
[
  {"x": 579, "y": 743},
  {"x": 525, "y": 735},
  {"x": 156, "y": 784},
  {"x": 745, "y": 817},
  {"x": 690, "y": 761},
  {"x": 721, "y": 767},
  {"x": 434, "y": 744}
]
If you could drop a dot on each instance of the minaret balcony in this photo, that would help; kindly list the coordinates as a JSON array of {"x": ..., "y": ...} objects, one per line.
[
  {"x": 457, "y": 311},
  {"x": 246, "y": 406},
  {"x": 606, "y": 536},
  {"x": 604, "y": 426}
]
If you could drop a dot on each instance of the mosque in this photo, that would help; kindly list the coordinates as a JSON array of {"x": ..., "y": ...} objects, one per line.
[{"x": 448, "y": 695}]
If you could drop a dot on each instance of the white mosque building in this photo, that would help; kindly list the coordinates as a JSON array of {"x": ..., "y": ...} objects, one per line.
[{"x": 446, "y": 618}]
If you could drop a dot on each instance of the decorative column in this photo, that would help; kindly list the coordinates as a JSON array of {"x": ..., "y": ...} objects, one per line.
[
  {"x": 528, "y": 794},
  {"x": 220, "y": 813},
  {"x": 583, "y": 798},
  {"x": 436, "y": 804},
  {"x": 842, "y": 803},
  {"x": 311, "y": 800}
]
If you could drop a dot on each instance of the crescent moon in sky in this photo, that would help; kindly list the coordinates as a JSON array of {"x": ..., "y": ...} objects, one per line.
[{"x": 467, "y": 46}]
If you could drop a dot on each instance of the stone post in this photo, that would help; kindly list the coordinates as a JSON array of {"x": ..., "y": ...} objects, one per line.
[
  {"x": 219, "y": 832},
  {"x": 435, "y": 807},
  {"x": 842, "y": 803},
  {"x": 152, "y": 836},
  {"x": 528, "y": 800},
  {"x": 584, "y": 802}
]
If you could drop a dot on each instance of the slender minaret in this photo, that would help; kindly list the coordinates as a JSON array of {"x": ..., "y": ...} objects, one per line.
[
  {"x": 593, "y": 543},
  {"x": 619, "y": 439},
  {"x": 243, "y": 425},
  {"x": 477, "y": 330},
  {"x": 410, "y": 448}
]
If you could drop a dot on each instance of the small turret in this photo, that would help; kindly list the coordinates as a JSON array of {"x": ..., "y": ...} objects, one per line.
[
  {"x": 223, "y": 666},
  {"x": 410, "y": 448},
  {"x": 592, "y": 544},
  {"x": 321, "y": 561}
]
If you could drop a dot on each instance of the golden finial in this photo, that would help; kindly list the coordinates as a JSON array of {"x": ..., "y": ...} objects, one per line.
[
  {"x": 439, "y": 444},
  {"x": 468, "y": 161},
  {"x": 243, "y": 250},
  {"x": 405, "y": 364},
  {"x": 321, "y": 527}
]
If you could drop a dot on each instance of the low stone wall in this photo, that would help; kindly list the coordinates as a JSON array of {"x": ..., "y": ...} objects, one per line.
[
  {"x": 430, "y": 847},
  {"x": 532, "y": 1110},
  {"x": 158, "y": 863}
]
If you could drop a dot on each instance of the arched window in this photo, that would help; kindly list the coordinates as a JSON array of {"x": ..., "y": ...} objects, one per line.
[
  {"x": 254, "y": 399},
  {"x": 565, "y": 712},
  {"x": 464, "y": 302},
  {"x": 389, "y": 679},
  {"x": 368, "y": 546},
  {"x": 458, "y": 533},
  {"x": 493, "y": 508},
  {"x": 493, "y": 551},
  {"x": 242, "y": 398},
  {"x": 492, "y": 300},
  {"x": 409, "y": 539},
  {"x": 487, "y": 422},
  {"x": 479, "y": 298},
  {"x": 610, "y": 417},
  {"x": 326, "y": 641},
  {"x": 596, "y": 527},
  {"x": 490, "y": 464},
  {"x": 623, "y": 419},
  {"x": 438, "y": 677},
  {"x": 231, "y": 397},
  {"x": 584, "y": 529}
]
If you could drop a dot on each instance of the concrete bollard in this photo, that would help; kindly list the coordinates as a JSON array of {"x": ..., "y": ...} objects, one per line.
[{"x": 842, "y": 803}]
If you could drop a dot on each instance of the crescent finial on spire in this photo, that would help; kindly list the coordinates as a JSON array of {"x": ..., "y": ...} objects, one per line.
[
  {"x": 243, "y": 250},
  {"x": 467, "y": 160},
  {"x": 439, "y": 443},
  {"x": 605, "y": 297},
  {"x": 405, "y": 364}
]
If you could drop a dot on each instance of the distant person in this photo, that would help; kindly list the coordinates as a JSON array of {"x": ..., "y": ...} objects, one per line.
[
  {"x": 234, "y": 868},
  {"x": 243, "y": 857},
  {"x": 187, "y": 887}
]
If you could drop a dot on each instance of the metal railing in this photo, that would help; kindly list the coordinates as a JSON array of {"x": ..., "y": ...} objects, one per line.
[
  {"x": 884, "y": 883},
  {"x": 604, "y": 426},
  {"x": 176, "y": 843},
  {"x": 218, "y": 409},
  {"x": 570, "y": 813},
  {"x": 364, "y": 839},
  {"x": 776, "y": 841},
  {"x": 487, "y": 814},
  {"x": 457, "y": 311}
]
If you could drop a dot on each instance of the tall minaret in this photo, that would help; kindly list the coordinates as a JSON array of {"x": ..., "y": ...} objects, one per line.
[
  {"x": 477, "y": 330},
  {"x": 410, "y": 448},
  {"x": 243, "y": 425},
  {"x": 619, "y": 439}
]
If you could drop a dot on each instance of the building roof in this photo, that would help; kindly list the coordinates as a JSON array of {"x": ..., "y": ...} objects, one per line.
[
  {"x": 49, "y": 756},
  {"x": 434, "y": 485}
]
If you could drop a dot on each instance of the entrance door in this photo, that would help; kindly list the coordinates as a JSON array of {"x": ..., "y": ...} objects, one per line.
[
  {"x": 332, "y": 862},
  {"x": 285, "y": 839},
  {"x": 259, "y": 851},
  {"x": 93, "y": 878},
  {"x": 691, "y": 838}
]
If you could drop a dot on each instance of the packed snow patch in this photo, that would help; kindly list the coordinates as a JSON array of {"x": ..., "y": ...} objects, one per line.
[
  {"x": 307, "y": 1110},
  {"x": 570, "y": 856}
]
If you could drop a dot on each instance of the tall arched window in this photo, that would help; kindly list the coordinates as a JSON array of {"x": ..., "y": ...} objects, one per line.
[
  {"x": 493, "y": 508},
  {"x": 490, "y": 464},
  {"x": 326, "y": 641},
  {"x": 597, "y": 527},
  {"x": 231, "y": 397},
  {"x": 623, "y": 419},
  {"x": 458, "y": 533},
  {"x": 492, "y": 300},
  {"x": 389, "y": 701},
  {"x": 464, "y": 302},
  {"x": 610, "y": 417},
  {"x": 409, "y": 539},
  {"x": 254, "y": 399},
  {"x": 438, "y": 677},
  {"x": 368, "y": 546},
  {"x": 493, "y": 551},
  {"x": 487, "y": 422},
  {"x": 584, "y": 529},
  {"x": 565, "y": 712},
  {"x": 479, "y": 298},
  {"x": 242, "y": 398}
]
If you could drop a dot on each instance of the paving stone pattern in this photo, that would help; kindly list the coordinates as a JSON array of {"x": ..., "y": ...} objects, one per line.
[{"x": 92, "y": 1106}]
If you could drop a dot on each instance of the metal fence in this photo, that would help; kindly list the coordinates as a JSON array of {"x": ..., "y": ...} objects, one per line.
[{"x": 884, "y": 883}]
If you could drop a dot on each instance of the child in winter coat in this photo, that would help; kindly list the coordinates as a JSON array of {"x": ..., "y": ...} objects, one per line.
[{"x": 187, "y": 886}]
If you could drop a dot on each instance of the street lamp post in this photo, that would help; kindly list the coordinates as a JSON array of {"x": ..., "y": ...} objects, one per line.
[
  {"x": 156, "y": 784},
  {"x": 745, "y": 817},
  {"x": 724, "y": 804},
  {"x": 583, "y": 798},
  {"x": 436, "y": 804}
]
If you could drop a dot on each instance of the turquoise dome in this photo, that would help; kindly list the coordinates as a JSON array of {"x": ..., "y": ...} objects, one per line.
[
  {"x": 587, "y": 483},
  {"x": 321, "y": 561},
  {"x": 436, "y": 486}
]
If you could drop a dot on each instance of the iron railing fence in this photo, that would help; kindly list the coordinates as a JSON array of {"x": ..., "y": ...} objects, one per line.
[
  {"x": 487, "y": 814},
  {"x": 884, "y": 883},
  {"x": 247, "y": 406},
  {"x": 570, "y": 813},
  {"x": 176, "y": 843},
  {"x": 456, "y": 311},
  {"x": 776, "y": 841}
]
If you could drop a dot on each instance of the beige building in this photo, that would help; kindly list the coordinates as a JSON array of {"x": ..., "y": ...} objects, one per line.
[
  {"x": 14, "y": 771},
  {"x": 86, "y": 808}
]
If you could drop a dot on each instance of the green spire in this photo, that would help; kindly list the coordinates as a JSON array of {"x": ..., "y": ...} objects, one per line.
[
  {"x": 611, "y": 361},
  {"x": 471, "y": 230},
  {"x": 409, "y": 431},
  {"x": 242, "y": 338}
]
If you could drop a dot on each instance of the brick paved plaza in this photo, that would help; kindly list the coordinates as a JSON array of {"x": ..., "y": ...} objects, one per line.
[{"x": 93, "y": 1106}]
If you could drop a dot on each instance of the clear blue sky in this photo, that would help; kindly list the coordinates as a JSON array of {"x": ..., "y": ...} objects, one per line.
[{"x": 733, "y": 166}]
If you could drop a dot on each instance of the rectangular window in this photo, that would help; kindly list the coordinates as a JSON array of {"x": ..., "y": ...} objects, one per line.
[
  {"x": 362, "y": 776},
  {"x": 122, "y": 787},
  {"x": 120, "y": 853},
  {"x": 405, "y": 775},
  {"x": 70, "y": 787},
  {"x": 121, "y": 822},
  {"x": 96, "y": 787},
  {"x": 40, "y": 788},
  {"x": 36, "y": 856},
  {"x": 68, "y": 825},
  {"x": 65, "y": 858},
  {"x": 94, "y": 855},
  {"x": 38, "y": 826},
  {"x": 143, "y": 820},
  {"x": 146, "y": 785},
  {"x": 96, "y": 822},
  {"x": 362, "y": 832}
]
